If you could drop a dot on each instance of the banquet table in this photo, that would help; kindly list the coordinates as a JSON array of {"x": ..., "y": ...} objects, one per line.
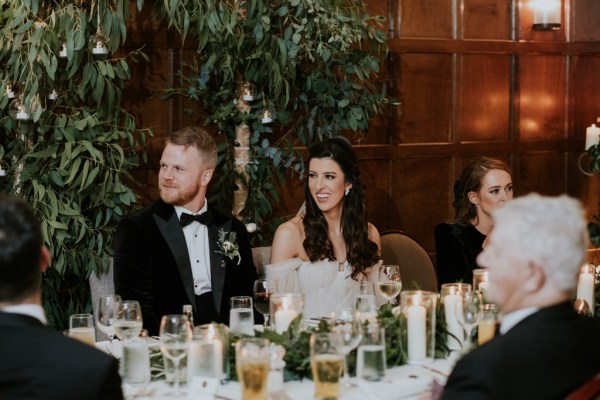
[{"x": 404, "y": 382}]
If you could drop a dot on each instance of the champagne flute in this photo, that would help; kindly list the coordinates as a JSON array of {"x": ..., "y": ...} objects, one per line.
[
  {"x": 350, "y": 332},
  {"x": 262, "y": 292},
  {"x": 175, "y": 336},
  {"x": 105, "y": 315},
  {"x": 128, "y": 320},
  {"x": 389, "y": 283},
  {"x": 471, "y": 313}
]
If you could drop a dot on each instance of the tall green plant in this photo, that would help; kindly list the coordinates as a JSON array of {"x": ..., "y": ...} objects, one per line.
[
  {"x": 70, "y": 158},
  {"x": 313, "y": 63}
]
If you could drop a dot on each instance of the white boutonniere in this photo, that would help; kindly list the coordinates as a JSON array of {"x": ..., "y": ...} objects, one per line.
[{"x": 228, "y": 246}]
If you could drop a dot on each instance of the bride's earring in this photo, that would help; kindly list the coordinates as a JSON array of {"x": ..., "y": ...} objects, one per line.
[{"x": 346, "y": 191}]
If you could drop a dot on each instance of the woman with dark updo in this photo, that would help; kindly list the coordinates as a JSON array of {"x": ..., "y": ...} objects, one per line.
[{"x": 484, "y": 185}]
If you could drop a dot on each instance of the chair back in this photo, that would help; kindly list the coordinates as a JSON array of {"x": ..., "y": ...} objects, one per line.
[
  {"x": 416, "y": 268},
  {"x": 590, "y": 390},
  {"x": 99, "y": 285},
  {"x": 261, "y": 257}
]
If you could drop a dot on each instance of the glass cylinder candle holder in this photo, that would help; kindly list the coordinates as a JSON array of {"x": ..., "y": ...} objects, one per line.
[
  {"x": 586, "y": 284},
  {"x": 209, "y": 352},
  {"x": 451, "y": 298},
  {"x": 284, "y": 308},
  {"x": 418, "y": 308},
  {"x": 481, "y": 282}
]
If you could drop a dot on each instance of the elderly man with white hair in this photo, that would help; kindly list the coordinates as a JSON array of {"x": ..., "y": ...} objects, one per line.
[{"x": 545, "y": 350}]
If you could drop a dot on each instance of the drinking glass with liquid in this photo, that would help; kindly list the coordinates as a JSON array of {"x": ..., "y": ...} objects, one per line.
[
  {"x": 241, "y": 316},
  {"x": 252, "y": 361},
  {"x": 371, "y": 361},
  {"x": 327, "y": 363},
  {"x": 128, "y": 320},
  {"x": 81, "y": 327}
]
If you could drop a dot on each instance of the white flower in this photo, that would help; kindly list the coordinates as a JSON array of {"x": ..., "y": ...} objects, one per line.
[{"x": 228, "y": 246}]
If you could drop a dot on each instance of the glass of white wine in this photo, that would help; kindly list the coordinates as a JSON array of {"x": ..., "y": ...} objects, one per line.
[
  {"x": 389, "y": 282},
  {"x": 175, "y": 337},
  {"x": 128, "y": 320},
  {"x": 349, "y": 329}
]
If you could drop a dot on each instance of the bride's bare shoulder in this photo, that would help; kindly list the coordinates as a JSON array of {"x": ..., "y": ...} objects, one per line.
[
  {"x": 288, "y": 239},
  {"x": 291, "y": 229}
]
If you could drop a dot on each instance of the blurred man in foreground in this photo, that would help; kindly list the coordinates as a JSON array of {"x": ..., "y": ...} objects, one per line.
[
  {"x": 38, "y": 363},
  {"x": 545, "y": 350}
]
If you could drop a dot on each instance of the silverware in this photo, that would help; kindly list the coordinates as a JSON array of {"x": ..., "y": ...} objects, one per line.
[{"x": 437, "y": 371}]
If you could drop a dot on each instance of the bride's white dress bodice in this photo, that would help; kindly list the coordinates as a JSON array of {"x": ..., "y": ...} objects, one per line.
[{"x": 326, "y": 289}]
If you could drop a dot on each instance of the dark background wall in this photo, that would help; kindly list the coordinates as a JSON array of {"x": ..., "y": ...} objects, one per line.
[{"x": 473, "y": 78}]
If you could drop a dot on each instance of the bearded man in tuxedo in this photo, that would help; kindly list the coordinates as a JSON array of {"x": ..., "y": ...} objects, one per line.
[
  {"x": 37, "y": 362},
  {"x": 545, "y": 349},
  {"x": 179, "y": 250}
]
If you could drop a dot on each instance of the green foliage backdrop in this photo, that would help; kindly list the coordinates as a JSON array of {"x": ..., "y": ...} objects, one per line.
[{"x": 70, "y": 158}]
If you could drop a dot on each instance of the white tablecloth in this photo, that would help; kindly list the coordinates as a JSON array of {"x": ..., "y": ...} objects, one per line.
[{"x": 404, "y": 382}]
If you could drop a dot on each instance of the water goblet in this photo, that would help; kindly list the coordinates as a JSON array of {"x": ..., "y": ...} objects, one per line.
[
  {"x": 471, "y": 313},
  {"x": 262, "y": 293},
  {"x": 349, "y": 330},
  {"x": 128, "y": 320},
  {"x": 389, "y": 282},
  {"x": 175, "y": 337},
  {"x": 105, "y": 315}
]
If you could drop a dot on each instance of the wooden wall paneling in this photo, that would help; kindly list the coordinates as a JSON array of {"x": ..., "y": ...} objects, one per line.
[
  {"x": 426, "y": 19},
  {"x": 483, "y": 98},
  {"x": 484, "y": 19},
  {"x": 585, "y": 93},
  {"x": 542, "y": 172},
  {"x": 585, "y": 15},
  {"x": 376, "y": 174},
  {"x": 542, "y": 97},
  {"x": 425, "y": 83}
]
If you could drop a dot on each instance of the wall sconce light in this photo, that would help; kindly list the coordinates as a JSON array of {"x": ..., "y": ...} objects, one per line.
[{"x": 546, "y": 14}]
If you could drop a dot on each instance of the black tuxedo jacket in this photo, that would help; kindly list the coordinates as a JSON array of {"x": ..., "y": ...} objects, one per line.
[
  {"x": 545, "y": 356},
  {"x": 152, "y": 264},
  {"x": 38, "y": 363}
]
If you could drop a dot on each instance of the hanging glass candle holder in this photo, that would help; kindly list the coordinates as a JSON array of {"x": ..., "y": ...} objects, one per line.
[
  {"x": 99, "y": 43},
  {"x": 63, "y": 51},
  {"x": 246, "y": 91},
  {"x": 17, "y": 109},
  {"x": 9, "y": 91},
  {"x": 53, "y": 95},
  {"x": 3, "y": 168},
  {"x": 267, "y": 115}
]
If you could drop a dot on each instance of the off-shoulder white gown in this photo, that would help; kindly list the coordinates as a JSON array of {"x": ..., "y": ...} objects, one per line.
[{"x": 326, "y": 289}]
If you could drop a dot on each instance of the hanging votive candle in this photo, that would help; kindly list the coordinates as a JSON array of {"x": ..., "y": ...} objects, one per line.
[
  {"x": 63, "y": 51},
  {"x": 586, "y": 285},
  {"x": 284, "y": 308},
  {"x": 267, "y": 116},
  {"x": 53, "y": 95},
  {"x": 418, "y": 308},
  {"x": 9, "y": 92},
  {"x": 99, "y": 43},
  {"x": 451, "y": 297},
  {"x": 247, "y": 91},
  {"x": 17, "y": 110}
]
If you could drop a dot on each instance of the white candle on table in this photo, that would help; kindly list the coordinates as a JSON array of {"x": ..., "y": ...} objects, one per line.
[
  {"x": 592, "y": 136},
  {"x": 452, "y": 306},
  {"x": 283, "y": 319},
  {"x": 585, "y": 289},
  {"x": 417, "y": 334}
]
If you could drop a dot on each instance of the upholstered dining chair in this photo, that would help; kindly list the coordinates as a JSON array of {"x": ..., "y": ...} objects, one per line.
[
  {"x": 590, "y": 390},
  {"x": 99, "y": 285},
  {"x": 416, "y": 269}
]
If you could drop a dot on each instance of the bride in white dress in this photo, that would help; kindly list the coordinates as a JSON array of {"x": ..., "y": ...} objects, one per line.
[{"x": 328, "y": 248}]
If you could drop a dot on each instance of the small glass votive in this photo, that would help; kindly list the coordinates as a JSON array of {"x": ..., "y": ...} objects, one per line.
[
  {"x": 284, "y": 308},
  {"x": 418, "y": 307},
  {"x": 370, "y": 357},
  {"x": 480, "y": 279},
  {"x": 451, "y": 299},
  {"x": 586, "y": 285},
  {"x": 208, "y": 352},
  {"x": 486, "y": 329}
]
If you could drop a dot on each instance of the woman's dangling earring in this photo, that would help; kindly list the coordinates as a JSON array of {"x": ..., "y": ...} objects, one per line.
[{"x": 346, "y": 191}]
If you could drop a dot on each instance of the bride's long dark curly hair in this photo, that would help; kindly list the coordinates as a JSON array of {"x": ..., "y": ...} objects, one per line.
[{"x": 361, "y": 253}]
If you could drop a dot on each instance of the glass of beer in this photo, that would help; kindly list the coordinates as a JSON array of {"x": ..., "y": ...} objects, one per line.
[
  {"x": 327, "y": 361},
  {"x": 252, "y": 357}
]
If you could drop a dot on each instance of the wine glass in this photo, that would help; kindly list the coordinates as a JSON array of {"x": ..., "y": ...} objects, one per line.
[
  {"x": 105, "y": 315},
  {"x": 128, "y": 320},
  {"x": 175, "y": 336},
  {"x": 365, "y": 304},
  {"x": 471, "y": 312},
  {"x": 350, "y": 331},
  {"x": 262, "y": 292},
  {"x": 389, "y": 283}
]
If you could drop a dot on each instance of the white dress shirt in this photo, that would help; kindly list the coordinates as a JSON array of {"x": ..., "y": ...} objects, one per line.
[
  {"x": 33, "y": 310},
  {"x": 511, "y": 319},
  {"x": 196, "y": 238}
]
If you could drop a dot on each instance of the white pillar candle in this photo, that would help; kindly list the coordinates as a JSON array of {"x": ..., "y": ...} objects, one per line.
[
  {"x": 417, "y": 334},
  {"x": 452, "y": 306},
  {"x": 592, "y": 136},
  {"x": 283, "y": 319},
  {"x": 585, "y": 289}
]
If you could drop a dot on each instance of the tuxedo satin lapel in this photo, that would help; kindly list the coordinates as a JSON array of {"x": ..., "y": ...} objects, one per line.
[
  {"x": 173, "y": 234},
  {"x": 217, "y": 272}
]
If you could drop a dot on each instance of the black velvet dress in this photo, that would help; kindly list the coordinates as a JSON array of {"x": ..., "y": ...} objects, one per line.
[{"x": 457, "y": 247}]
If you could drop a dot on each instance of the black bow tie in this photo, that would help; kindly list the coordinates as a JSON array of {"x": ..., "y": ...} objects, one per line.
[{"x": 205, "y": 218}]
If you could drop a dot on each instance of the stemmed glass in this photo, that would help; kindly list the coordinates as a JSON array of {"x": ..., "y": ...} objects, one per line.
[
  {"x": 262, "y": 292},
  {"x": 365, "y": 304},
  {"x": 389, "y": 283},
  {"x": 349, "y": 329},
  {"x": 471, "y": 313},
  {"x": 175, "y": 336},
  {"x": 105, "y": 315},
  {"x": 128, "y": 320}
]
